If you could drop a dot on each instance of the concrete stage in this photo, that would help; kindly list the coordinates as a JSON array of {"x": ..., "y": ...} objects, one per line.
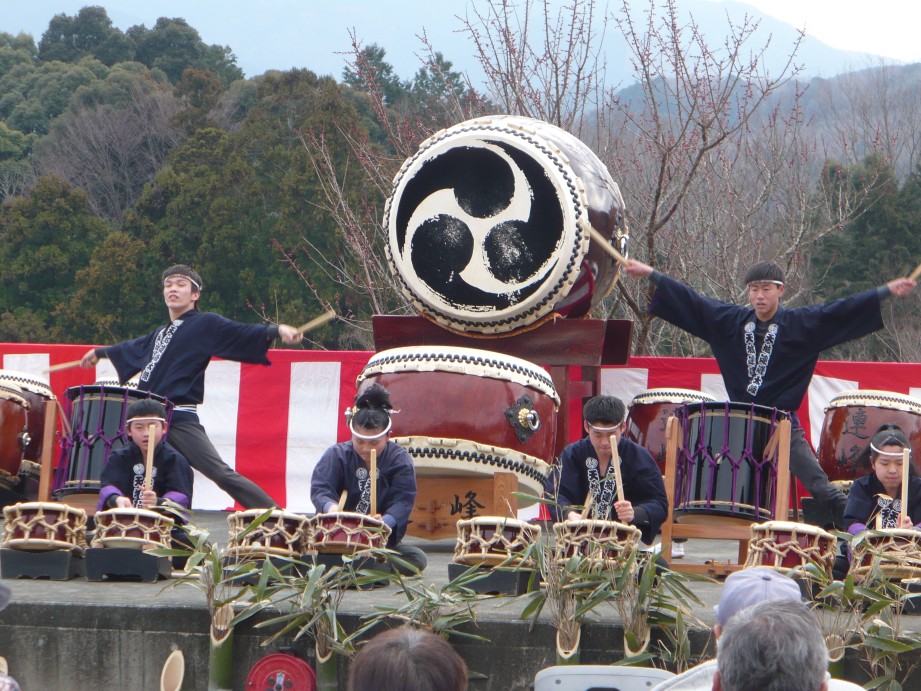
[{"x": 98, "y": 636}]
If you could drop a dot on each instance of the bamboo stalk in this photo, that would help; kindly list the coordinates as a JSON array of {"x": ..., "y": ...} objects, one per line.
[{"x": 220, "y": 656}]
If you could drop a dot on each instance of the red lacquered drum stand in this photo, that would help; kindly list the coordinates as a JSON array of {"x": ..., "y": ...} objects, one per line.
[
  {"x": 562, "y": 345},
  {"x": 722, "y": 528}
]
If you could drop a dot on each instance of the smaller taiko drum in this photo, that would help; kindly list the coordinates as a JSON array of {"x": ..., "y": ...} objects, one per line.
[
  {"x": 602, "y": 544},
  {"x": 494, "y": 540},
  {"x": 887, "y": 553},
  {"x": 281, "y": 534},
  {"x": 42, "y": 403},
  {"x": 38, "y": 526},
  {"x": 648, "y": 415},
  {"x": 784, "y": 545},
  {"x": 14, "y": 433},
  {"x": 345, "y": 532},
  {"x": 851, "y": 420},
  {"x": 132, "y": 528}
]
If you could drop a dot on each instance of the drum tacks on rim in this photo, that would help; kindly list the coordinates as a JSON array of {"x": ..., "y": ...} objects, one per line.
[{"x": 488, "y": 225}]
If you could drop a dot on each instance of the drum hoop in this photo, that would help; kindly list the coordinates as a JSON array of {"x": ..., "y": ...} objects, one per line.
[
  {"x": 478, "y": 454},
  {"x": 571, "y": 268},
  {"x": 35, "y": 386},
  {"x": 139, "y": 513},
  {"x": 672, "y": 396},
  {"x": 7, "y": 393},
  {"x": 460, "y": 361},
  {"x": 872, "y": 398},
  {"x": 746, "y": 411},
  {"x": 597, "y": 523},
  {"x": 15, "y": 509},
  {"x": 274, "y": 513},
  {"x": 495, "y": 521},
  {"x": 791, "y": 527},
  {"x": 360, "y": 517}
]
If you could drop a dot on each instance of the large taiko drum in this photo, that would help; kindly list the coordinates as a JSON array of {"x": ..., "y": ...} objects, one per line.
[
  {"x": 726, "y": 468},
  {"x": 887, "y": 553},
  {"x": 43, "y": 526},
  {"x": 597, "y": 543},
  {"x": 488, "y": 225},
  {"x": 42, "y": 407},
  {"x": 648, "y": 415},
  {"x": 490, "y": 409},
  {"x": 784, "y": 545},
  {"x": 97, "y": 425},
  {"x": 347, "y": 532},
  {"x": 494, "y": 540},
  {"x": 132, "y": 528},
  {"x": 280, "y": 534},
  {"x": 14, "y": 433},
  {"x": 851, "y": 420}
]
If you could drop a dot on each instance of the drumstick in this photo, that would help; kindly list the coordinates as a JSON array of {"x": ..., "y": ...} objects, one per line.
[
  {"x": 148, "y": 473},
  {"x": 607, "y": 246},
  {"x": 615, "y": 459},
  {"x": 342, "y": 498},
  {"x": 373, "y": 511},
  {"x": 314, "y": 323},
  {"x": 589, "y": 498},
  {"x": 916, "y": 273},
  {"x": 905, "y": 461},
  {"x": 63, "y": 365}
]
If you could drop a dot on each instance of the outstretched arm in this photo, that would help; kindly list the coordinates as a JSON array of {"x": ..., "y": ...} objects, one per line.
[{"x": 900, "y": 287}]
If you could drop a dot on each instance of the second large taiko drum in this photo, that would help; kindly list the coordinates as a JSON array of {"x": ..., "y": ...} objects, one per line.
[{"x": 468, "y": 411}]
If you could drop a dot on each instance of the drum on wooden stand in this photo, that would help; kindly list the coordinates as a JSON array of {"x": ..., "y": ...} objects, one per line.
[
  {"x": 851, "y": 420},
  {"x": 488, "y": 225},
  {"x": 784, "y": 545},
  {"x": 347, "y": 532},
  {"x": 97, "y": 425},
  {"x": 42, "y": 412},
  {"x": 598, "y": 543},
  {"x": 648, "y": 415},
  {"x": 887, "y": 553},
  {"x": 468, "y": 412},
  {"x": 42, "y": 526},
  {"x": 726, "y": 462},
  {"x": 281, "y": 534},
  {"x": 494, "y": 540},
  {"x": 132, "y": 528},
  {"x": 14, "y": 434}
]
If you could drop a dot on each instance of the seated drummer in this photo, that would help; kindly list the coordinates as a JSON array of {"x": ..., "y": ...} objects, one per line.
[
  {"x": 586, "y": 464},
  {"x": 345, "y": 466},
  {"x": 875, "y": 500},
  {"x": 122, "y": 480}
]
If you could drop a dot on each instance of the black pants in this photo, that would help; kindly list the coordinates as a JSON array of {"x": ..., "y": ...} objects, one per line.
[
  {"x": 805, "y": 466},
  {"x": 189, "y": 438}
]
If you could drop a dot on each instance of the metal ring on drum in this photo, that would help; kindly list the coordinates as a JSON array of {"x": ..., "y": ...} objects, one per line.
[
  {"x": 648, "y": 415},
  {"x": 464, "y": 458},
  {"x": 466, "y": 393},
  {"x": 852, "y": 418},
  {"x": 726, "y": 466},
  {"x": 785, "y": 545},
  {"x": 14, "y": 433},
  {"x": 43, "y": 526},
  {"x": 494, "y": 540},
  {"x": 488, "y": 222}
]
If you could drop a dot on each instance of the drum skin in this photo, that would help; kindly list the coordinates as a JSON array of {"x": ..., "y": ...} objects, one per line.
[
  {"x": 39, "y": 396},
  {"x": 14, "y": 421},
  {"x": 488, "y": 225},
  {"x": 851, "y": 420},
  {"x": 465, "y": 393},
  {"x": 648, "y": 415},
  {"x": 722, "y": 473}
]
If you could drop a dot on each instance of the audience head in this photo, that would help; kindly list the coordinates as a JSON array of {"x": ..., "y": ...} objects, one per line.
[
  {"x": 749, "y": 587},
  {"x": 772, "y": 646},
  {"x": 407, "y": 659}
]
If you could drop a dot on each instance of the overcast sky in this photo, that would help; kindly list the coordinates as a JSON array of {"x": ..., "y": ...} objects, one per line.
[{"x": 280, "y": 34}]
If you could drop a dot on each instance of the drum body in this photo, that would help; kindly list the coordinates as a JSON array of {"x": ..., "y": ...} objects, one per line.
[
  {"x": 346, "y": 532},
  {"x": 42, "y": 526},
  {"x": 494, "y": 540},
  {"x": 132, "y": 528},
  {"x": 888, "y": 553},
  {"x": 488, "y": 225},
  {"x": 41, "y": 405},
  {"x": 282, "y": 534},
  {"x": 648, "y": 415},
  {"x": 784, "y": 545},
  {"x": 97, "y": 425},
  {"x": 723, "y": 470},
  {"x": 600, "y": 544},
  {"x": 489, "y": 404},
  {"x": 14, "y": 434},
  {"x": 851, "y": 420}
]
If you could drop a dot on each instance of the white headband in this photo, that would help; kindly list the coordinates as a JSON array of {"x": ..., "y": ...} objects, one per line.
[
  {"x": 371, "y": 437},
  {"x": 147, "y": 419},
  {"x": 596, "y": 428},
  {"x": 776, "y": 283},
  {"x": 888, "y": 453},
  {"x": 188, "y": 278}
]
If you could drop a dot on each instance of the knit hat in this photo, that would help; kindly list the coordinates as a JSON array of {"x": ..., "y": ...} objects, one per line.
[{"x": 749, "y": 587}]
